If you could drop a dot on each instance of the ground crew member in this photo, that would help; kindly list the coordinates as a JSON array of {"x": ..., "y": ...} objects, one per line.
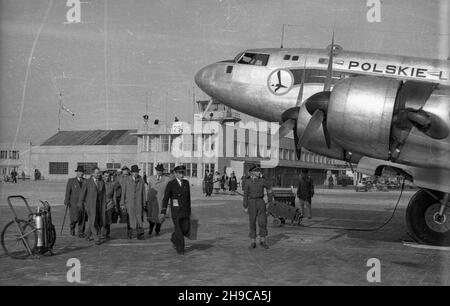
[
  {"x": 305, "y": 192},
  {"x": 255, "y": 206},
  {"x": 73, "y": 192}
]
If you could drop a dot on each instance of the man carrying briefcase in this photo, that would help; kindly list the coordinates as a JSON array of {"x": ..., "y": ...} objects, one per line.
[{"x": 178, "y": 190}]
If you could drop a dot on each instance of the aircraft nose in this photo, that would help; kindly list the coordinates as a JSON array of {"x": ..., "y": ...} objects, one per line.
[{"x": 203, "y": 78}]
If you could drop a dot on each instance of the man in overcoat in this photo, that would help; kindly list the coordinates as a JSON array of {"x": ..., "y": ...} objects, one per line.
[
  {"x": 77, "y": 213},
  {"x": 133, "y": 199},
  {"x": 156, "y": 187},
  {"x": 93, "y": 199}
]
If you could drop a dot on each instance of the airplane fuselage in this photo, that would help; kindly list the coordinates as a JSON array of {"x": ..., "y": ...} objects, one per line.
[{"x": 254, "y": 88}]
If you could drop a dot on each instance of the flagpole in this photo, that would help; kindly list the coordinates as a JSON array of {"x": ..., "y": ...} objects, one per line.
[{"x": 59, "y": 111}]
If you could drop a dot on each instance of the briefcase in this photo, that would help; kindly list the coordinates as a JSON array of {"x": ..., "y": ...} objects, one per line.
[
  {"x": 193, "y": 226},
  {"x": 123, "y": 218}
]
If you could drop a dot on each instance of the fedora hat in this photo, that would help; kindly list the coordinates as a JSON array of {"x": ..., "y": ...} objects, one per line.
[
  {"x": 159, "y": 167},
  {"x": 125, "y": 168},
  {"x": 135, "y": 168},
  {"x": 79, "y": 169}
]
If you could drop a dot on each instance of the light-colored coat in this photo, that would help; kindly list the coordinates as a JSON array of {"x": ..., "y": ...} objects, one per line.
[
  {"x": 155, "y": 196},
  {"x": 133, "y": 198}
]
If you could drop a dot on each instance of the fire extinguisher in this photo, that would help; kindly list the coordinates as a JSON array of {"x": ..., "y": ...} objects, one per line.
[{"x": 39, "y": 230}]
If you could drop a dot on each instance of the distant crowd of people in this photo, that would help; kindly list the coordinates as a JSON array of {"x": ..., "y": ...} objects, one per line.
[{"x": 219, "y": 182}]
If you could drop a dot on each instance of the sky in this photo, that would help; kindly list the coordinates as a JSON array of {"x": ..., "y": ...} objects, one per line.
[{"x": 126, "y": 58}]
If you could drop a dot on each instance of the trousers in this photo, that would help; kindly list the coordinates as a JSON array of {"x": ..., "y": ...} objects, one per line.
[{"x": 257, "y": 214}]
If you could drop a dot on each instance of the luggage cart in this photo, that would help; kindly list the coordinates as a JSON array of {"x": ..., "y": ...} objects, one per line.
[
  {"x": 283, "y": 207},
  {"x": 23, "y": 238}
]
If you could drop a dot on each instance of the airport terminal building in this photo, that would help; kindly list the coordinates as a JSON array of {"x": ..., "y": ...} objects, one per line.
[{"x": 217, "y": 140}]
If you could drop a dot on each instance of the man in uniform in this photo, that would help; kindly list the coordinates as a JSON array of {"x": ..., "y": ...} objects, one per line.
[
  {"x": 178, "y": 190},
  {"x": 255, "y": 206},
  {"x": 77, "y": 213},
  {"x": 305, "y": 192},
  {"x": 156, "y": 187}
]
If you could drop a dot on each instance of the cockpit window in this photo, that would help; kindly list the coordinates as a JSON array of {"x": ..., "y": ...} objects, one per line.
[{"x": 256, "y": 59}]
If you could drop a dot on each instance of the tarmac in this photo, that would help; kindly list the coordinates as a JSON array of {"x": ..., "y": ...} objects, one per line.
[{"x": 320, "y": 251}]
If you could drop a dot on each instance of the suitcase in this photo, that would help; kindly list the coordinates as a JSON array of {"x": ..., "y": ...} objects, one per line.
[
  {"x": 123, "y": 218},
  {"x": 193, "y": 227}
]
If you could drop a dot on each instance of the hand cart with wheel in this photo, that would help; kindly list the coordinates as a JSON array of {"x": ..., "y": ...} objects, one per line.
[
  {"x": 22, "y": 238},
  {"x": 283, "y": 207},
  {"x": 281, "y": 211}
]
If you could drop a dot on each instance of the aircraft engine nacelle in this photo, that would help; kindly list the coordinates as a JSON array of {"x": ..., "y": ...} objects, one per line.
[{"x": 360, "y": 113}]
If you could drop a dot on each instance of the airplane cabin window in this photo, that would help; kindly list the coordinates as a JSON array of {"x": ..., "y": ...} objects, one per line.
[
  {"x": 256, "y": 59},
  {"x": 295, "y": 58},
  {"x": 317, "y": 76},
  {"x": 286, "y": 57},
  {"x": 229, "y": 69}
]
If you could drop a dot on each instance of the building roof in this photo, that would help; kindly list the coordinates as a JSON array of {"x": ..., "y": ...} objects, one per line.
[{"x": 92, "y": 138}]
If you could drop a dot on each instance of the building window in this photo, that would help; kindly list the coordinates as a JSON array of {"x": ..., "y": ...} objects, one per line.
[
  {"x": 280, "y": 154},
  {"x": 13, "y": 154},
  {"x": 194, "y": 170},
  {"x": 155, "y": 143},
  {"x": 88, "y": 167},
  {"x": 286, "y": 57},
  {"x": 150, "y": 169},
  {"x": 197, "y": 139},
  {"x": 172, "y": 166},
  {"x": 165, "y": 143},
  {"x": 188, "y": 169},
  {"x": 113, "y": 165},
  {"x": 58, "y": 168},
  {"x": 187, "y": 143},
  {"x": 295, "y": 58},
  {"x": 3, "y": 154},
  {"x": 145, "y": 143}
]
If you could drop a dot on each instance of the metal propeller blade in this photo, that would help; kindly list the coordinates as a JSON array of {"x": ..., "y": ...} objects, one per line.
[
  {"x": 313, "y": 125},
  {"x": 286, "y": 127},
  {"x": 327, "y": 84}
]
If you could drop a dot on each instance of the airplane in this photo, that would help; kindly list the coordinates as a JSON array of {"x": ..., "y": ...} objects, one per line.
[{"x": 388, "y": 114}]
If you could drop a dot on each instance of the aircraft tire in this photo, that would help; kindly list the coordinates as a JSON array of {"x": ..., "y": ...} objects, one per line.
[{"x": 420, "y": 220}]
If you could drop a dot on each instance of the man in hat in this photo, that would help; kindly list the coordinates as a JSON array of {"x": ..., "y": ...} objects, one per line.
[
  {"x": 178, "y": 190},
  {"x": 305, "y": 192},
  {"x": 255, "y": 206},
  {"x": 124, "y": 173},
  {"x": 156, "y": 187},
  {"x": 111, "y": 206},
  {"x": 77, "y": 213},
  {"x": 93, "y": 198},
  {"x": 133, "y": 199}
]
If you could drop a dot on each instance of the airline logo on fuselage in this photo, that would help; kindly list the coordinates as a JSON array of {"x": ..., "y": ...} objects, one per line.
[{"x": 397, "y": 70}]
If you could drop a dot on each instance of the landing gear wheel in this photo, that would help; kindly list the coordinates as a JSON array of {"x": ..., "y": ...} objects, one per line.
[
  {"x": 423, "y": 220},
  {"x": 276, "y": 222},
  {"x": 13, "y": 241}
]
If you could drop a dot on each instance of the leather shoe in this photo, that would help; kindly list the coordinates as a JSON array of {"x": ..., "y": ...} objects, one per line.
[{"x": 253, "y": 245}]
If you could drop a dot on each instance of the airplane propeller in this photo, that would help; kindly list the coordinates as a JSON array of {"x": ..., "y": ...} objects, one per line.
[{"x": 317, "y": 106}]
